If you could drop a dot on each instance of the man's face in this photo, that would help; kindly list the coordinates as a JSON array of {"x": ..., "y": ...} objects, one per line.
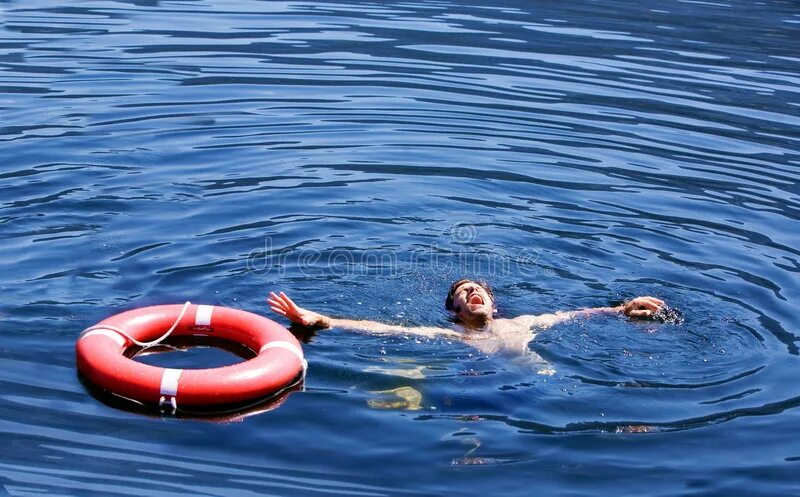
[{"x": 472, "y": 302}]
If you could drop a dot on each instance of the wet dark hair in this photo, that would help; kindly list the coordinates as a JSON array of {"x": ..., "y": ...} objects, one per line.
[{"x": 448, "y": 303}]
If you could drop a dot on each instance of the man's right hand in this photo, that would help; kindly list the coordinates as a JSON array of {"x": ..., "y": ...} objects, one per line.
[{"x": 284, "y": 306}]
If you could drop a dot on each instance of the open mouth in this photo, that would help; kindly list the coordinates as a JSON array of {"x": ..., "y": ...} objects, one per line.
[{"x": 475, "y": 299}]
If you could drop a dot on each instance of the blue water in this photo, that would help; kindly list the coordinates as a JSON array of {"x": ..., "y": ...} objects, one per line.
[{"x": 360, "y": 157}]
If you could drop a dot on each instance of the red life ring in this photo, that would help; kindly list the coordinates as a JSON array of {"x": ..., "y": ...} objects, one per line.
[{"x": 278, "y": 363}]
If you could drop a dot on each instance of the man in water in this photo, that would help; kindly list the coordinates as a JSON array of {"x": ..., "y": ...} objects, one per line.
[{"x": 473, "y": 305}]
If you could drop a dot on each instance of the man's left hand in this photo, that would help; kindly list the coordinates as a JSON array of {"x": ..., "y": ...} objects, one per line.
[{"x": 642, "y": 307}]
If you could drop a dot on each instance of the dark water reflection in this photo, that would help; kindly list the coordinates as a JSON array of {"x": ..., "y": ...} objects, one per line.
[{"x": 360, "y": 156}]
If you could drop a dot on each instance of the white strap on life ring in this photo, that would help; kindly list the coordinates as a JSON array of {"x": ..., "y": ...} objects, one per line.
[
  {"x": 203, "y": 315},
  {"x": 169, "y": 382},
  {"x": 279, "y": 344},
  {"x": 169, "y": 390}
]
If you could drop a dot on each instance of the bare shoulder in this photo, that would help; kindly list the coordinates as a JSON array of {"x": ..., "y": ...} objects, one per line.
[
  {"x": 432, "y": 331},
  {"x": 539, "y": 322},
  {"x": 520, "y": 324}
]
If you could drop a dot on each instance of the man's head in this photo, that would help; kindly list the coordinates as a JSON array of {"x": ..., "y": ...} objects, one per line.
[{"x": 472, "y": 301}]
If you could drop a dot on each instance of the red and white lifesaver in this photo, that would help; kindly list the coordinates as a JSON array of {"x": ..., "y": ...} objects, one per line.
[{"x": 278, "y": 364}]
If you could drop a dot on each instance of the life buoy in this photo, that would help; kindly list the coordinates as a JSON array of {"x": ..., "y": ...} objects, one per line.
[{"x": 278, "y": 364}]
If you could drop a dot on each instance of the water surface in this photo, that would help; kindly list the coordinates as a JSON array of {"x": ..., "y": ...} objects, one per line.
[{"x": 360, "y": 157}]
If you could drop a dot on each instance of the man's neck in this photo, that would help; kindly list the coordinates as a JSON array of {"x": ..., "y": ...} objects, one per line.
[{"x": 477, "y": 324}]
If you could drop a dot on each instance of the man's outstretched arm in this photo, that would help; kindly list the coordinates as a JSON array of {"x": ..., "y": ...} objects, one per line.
[
  {"x": 639, "y": 308},
  {"x": 281, "y": 304}
]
